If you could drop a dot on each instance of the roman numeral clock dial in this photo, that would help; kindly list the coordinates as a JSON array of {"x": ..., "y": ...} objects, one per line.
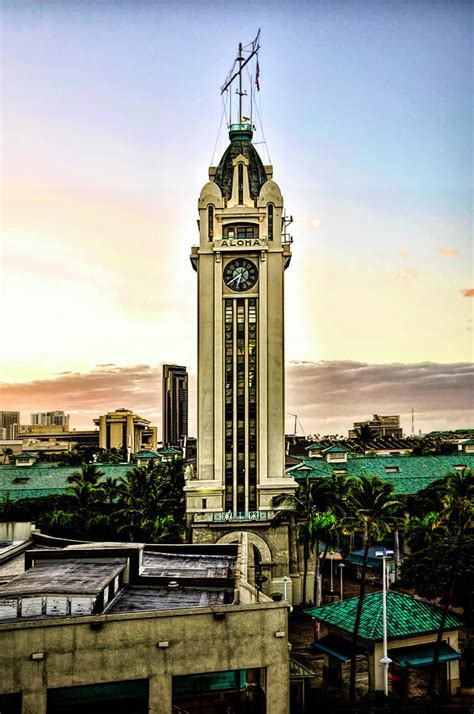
[{"x": 240, "y": 274}]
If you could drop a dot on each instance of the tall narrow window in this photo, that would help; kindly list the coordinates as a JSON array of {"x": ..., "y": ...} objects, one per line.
[
  {"x": 210, "y": 222},
  {"x": 270, "y": 221},
  {"x": 241, "y": 183}
]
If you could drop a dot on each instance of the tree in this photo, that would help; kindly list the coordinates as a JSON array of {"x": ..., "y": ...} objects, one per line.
[
  {"x": 458, "y": 504},
  {"x": 309, "y": 508},
  {"x": 364, "y": 436},
  {"x": 422, "y": 531},
  {"x": 371, "y": 505},
  {"x": 7, "y": 454},
  {"x": 429, "y": 571},
  {"x": 322, "y": 531}
]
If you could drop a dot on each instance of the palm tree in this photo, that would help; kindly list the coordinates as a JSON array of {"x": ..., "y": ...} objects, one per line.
[
  {"x": 7, "y": 453},
  {"x": 371, "y": 504},
  {"x": 458, "y": 515},
  {"x": 322, "y": 531},
  {"x": 364, "y": 436},
  {"x": 305, "y": 507},
  {"x": 421, "y": 531}
]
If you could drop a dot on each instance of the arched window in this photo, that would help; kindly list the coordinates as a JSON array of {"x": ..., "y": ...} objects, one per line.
[
  {"x": 210, "y": 222},
  {"x": 241, "y": 183},
  {"x": 270, "y": 221}
]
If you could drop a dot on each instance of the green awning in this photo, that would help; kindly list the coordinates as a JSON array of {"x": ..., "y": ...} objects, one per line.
[
  {"x": 422, "y": 655},
  {"x": 336, "y": 646},
  {"x": 375, "y": 563}
]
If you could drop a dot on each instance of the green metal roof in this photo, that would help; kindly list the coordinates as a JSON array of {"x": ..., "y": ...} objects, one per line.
[
  {"x": 406, "y": 616},
  {"x": 47, "y": 479},
  {"x": 169, "y": 451},
  {"x": 145, "y": 455},
  {"x": 414, "y": 472},
  {"x": 336, "y": 449}
]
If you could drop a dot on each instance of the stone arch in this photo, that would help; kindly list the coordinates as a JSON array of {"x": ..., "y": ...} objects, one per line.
[{"x": 253, "y": 539}]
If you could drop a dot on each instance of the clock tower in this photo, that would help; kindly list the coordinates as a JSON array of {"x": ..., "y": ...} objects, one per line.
[{"x": 240, "y": 261}]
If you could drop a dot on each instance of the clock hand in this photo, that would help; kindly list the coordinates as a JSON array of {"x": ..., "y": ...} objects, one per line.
[{"x": 234, "y": 279}]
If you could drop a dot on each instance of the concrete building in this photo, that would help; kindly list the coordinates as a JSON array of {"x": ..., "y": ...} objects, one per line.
[
  {"x": 55, "y": 418},
  {"x": 240, "y": 261},
  {"x": 124, "y": 430},
  {"x": 174, "y": 415},
  {"x": 121, "y": 628},
  {"x": 10, "y": 421},
  {"x": 381, "y": 426}
]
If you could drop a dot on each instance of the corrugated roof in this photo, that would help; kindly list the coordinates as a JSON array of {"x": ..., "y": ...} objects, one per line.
[
  {"x": 410, "y": 473},
  {"x": 47, "y": 479},
  {"x": 406, "y": 616}
]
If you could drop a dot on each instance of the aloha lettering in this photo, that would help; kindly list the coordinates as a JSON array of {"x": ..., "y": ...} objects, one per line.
[{"x": 230, "y": 242}]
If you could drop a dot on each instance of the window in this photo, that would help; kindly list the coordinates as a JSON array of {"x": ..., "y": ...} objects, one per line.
[
  {"x": 392, "y": 469},
  {"x": 270, "y": 221},
  {"x": 241, "y": 183},
  {"x": 239, "y": 232},
  {"x": 210, "y": 222}
]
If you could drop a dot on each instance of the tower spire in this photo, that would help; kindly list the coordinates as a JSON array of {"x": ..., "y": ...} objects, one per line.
[{"x": 236, "y": 73}]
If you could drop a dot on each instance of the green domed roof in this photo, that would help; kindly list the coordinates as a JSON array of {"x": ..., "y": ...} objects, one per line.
[{"x": 240, "y": 144}]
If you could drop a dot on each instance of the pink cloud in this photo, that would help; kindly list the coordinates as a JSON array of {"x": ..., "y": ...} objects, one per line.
[
  {"x": 404, "y": 253},
  {"x": 407, "y": 274},
  {"x": 468, "y": 292},
  {"x": 447, "y": 251}
]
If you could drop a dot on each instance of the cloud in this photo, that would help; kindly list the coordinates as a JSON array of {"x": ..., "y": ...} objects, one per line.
[
  {"x": 327, "y": 396},
  {"x": 404, "y": 253},
  {"x": 467, "y": 292},
  {"x": 317, "y": 223},
  {"x": 447, "y": 251},
  {"x": 407, "y": 274}
]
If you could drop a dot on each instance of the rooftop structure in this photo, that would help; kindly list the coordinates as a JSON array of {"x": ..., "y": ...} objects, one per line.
[
  {"x": 412, "y": 627},
  {"x": 134, "y": 627},
  {"x": 409, "y": 474},
  {"x": 54, "y": 418},
  {"x": 381, "y": 425}
]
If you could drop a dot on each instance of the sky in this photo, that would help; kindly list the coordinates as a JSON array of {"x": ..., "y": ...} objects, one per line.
[{"x": 110, "y": 116}]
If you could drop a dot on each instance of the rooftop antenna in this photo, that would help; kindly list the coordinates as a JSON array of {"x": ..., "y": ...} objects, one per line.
[
  {"x": 234, "y": 73},
  {"x": 412, "y": 422}
]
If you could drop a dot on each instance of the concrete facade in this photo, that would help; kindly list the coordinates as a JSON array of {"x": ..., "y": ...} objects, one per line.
[
  {"x": 110, "y": 648},
  {"x": 240, "y": 262}
]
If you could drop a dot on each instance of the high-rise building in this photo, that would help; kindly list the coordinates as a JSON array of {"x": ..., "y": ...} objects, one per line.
[
  {"x": 175, "y": 405},
  {"x": 10, "y": 421},
  {"x": 55, "y": 418},
  {"x": 240, "y": 261}
]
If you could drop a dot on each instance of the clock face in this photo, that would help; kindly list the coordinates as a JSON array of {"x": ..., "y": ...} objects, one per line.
[{"x": 240, "y": 274}]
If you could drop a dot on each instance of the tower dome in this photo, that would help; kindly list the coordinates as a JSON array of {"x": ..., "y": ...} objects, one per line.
[{"x": 240, "y": 145}]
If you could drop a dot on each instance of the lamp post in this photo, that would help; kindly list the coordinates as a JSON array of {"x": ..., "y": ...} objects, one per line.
[
  {"x": 331, "y": 562},
  {"x": 385, "y": 661},
  {"x": 341, "y": 579}
]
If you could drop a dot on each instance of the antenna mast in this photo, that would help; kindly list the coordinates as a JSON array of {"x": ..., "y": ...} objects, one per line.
[{"x": 241, "y": 63}]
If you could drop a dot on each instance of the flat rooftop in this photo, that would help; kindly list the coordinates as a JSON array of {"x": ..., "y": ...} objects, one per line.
[
  {"x": 188, "y": 565},
  {"x": 74, "y": 577},
  {"x": 141, "y": 598}
]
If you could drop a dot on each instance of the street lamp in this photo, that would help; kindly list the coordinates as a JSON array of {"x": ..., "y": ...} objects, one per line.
[
  {"x": 341, "y": 581},
  {"x": 385, "y": 661}
]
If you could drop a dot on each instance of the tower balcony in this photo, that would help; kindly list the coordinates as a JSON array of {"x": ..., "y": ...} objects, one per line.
[{"x": 232, "y": 518}]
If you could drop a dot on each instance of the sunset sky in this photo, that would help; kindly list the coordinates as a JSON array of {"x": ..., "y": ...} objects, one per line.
[{"x": 109, "y": 117}]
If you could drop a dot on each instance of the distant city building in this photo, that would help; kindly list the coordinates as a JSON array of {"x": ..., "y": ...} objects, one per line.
[
  {"x": 380, "y": 425},
  {"x": 10, "y": 421},
  {"x": 122, "y": 429},
  {"x": 55, "y": 418},
  {"x": 175, "y": 405}
]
